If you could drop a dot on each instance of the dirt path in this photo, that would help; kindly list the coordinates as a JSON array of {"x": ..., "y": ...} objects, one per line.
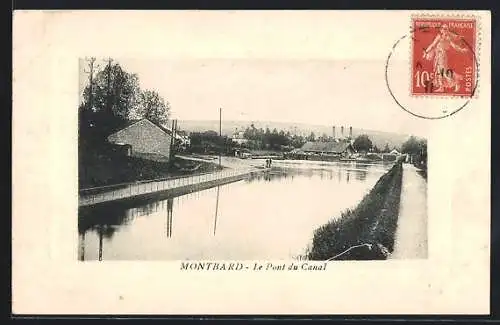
[{"x": 411, "y": 233}]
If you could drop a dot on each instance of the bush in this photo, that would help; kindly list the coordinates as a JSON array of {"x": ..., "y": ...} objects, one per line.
[{"x": 373, "y": 156}]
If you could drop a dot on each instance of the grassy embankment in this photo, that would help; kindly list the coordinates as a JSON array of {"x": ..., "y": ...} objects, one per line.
[
  {"x": 371, "y": 225},
  {"x": 100, "y": 170}
]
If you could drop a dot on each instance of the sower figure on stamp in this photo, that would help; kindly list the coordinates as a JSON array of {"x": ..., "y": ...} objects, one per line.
[{"x": 443, "y": 74}]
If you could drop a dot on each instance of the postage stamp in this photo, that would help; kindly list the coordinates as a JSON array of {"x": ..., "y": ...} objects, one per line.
[{"x": 443, "y": 56}]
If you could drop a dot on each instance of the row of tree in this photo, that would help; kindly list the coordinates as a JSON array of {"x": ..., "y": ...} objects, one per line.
[
  {"x": 276, "y": 140},
  {"x": 267, "y": 139},
  {"x": 412, "y": 146},
  {"x": 111, "y": 98},
  {"x": 209, "y": 142}
]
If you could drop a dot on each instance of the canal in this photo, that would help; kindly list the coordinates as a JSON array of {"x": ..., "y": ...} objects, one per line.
[{"x": 271, "y": 215}]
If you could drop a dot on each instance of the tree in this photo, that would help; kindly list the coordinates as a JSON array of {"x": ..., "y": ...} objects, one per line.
[
  {"x": 108, "y": 101},
  {"x": 91, "y": 71},
  {"x": 323, "y": 138},
  {"x": 417, "y": 149},
  {"x": 116, "y": 91},
  {"x": 363, "y": 143},
  {"x": 153, "y": 107},
  {"x": 311, "y": 137},
  {"x": 247, "y": 134},
  {"x": 411, "y": 146},
  {"x": 210, "y": 141},
  {"x": 297, "y": 141},
  {"x": 386, "y": 148}
]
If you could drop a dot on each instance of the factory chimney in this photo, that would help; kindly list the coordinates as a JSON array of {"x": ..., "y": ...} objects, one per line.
[
  {"x": 342, "y": 131},
  {"x": 333, "y": 132},
  {"x": 350, "y": 132}
]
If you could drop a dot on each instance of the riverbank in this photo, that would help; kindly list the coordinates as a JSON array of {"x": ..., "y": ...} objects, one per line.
[
  {"x": 102, "y": 170},
  {"x": 144, "y": 192},
  {"x": 366, "y": 232}
]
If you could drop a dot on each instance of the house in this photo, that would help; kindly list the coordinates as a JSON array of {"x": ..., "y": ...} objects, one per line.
[
  {"x": 182, "y": 137},
  {"x": 395, "y": 152},
  {"x": 329, "y": 148},
  {"x": 143, "y": 138},
  {"x": 242, "y": 153},
  {"x": 295, "y": 154},
  {"x": 238, "y": 137}
]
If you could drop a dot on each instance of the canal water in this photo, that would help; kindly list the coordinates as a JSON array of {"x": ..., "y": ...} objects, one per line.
[{"x": 272, "y": 215}]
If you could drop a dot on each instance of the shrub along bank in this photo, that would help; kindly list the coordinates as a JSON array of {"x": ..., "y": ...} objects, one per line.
[{"x": 366, "y": 232}]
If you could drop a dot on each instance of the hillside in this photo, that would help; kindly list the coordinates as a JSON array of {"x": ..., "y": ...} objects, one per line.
[{"x": 379, "y": 138}]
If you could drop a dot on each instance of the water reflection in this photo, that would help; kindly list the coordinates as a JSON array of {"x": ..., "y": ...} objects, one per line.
[
  {"x": 286, "y": 201},
  {"x": 170, "y": 207},
  {"x": 361, "y": 176},
  {"x": 216, "y": 209},
  {"x": 81, "y": 246}
]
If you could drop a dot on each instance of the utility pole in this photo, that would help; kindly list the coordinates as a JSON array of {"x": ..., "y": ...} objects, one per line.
[
  {"x": 220, "y": 134},
  {"x": 171, "y": 153},
  {"x": 175, "y": 135},
  {"x": 175, "y": 131}
]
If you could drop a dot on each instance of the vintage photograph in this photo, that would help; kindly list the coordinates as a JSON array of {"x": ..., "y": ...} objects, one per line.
[
  {"x": 246, "y": 162},
  {"x": 225, "y": 159}
]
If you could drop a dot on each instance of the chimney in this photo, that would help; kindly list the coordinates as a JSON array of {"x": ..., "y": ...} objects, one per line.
[
  {"x": 350, "y": 132},
  {"x": 342, "y": 131},
  {"x": 333, "y": 132}
]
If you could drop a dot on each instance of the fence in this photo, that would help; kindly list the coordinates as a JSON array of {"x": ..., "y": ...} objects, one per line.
[{"x": 114, "y": 192}]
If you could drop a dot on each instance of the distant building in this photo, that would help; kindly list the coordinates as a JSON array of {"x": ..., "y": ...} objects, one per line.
[
  {"x": 238, "y": 137},
  {"x": 143, "y": 138},
  {"x": 342, "y": 149},
  {"x": 182, "y": 137},
  {"x": 395, "y": 152},
  {"x": 242, "y": 153}
]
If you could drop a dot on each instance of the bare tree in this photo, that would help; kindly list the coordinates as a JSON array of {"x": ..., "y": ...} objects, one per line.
[{"x": 91, "y": 67}]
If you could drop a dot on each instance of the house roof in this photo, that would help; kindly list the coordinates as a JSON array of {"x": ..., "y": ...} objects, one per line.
[
  {"x": 132, "y": 122},
  {"x": 330, "y": 146}
]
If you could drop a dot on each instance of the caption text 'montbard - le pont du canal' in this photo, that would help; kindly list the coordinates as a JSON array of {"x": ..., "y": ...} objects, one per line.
[{"x": 253, "y": 266}]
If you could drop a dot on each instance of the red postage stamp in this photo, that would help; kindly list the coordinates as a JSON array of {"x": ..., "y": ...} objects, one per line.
[{"x": 443, "y": 57}]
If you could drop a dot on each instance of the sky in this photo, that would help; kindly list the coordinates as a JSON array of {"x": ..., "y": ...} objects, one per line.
[
  {"x": 311, "y": 67},
  {"x": 319, "y": 91}
]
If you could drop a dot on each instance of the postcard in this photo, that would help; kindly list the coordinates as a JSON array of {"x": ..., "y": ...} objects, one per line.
[{"x": 251, "y": 162}]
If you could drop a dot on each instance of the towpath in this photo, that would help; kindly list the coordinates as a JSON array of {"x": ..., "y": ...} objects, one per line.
[
  {"x": 235, "y": 169},
  {"x": 411, "y": 233}
]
